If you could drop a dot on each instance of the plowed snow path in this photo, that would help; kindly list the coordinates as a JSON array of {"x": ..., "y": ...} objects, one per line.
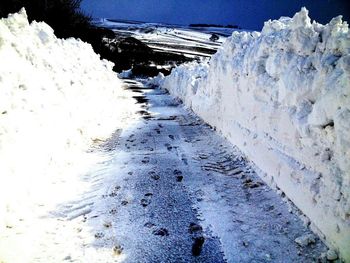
[
  {"x": 169, "y": 184},
  {"x": 176, "y": 181}
]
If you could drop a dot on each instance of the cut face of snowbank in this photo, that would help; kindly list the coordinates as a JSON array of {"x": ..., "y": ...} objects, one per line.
[
  {"x": 283, "y": 97},
  {"x": 56, "y": 97}
]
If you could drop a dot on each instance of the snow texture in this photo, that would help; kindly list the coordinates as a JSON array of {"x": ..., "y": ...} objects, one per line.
[
  {"x": 283, "y": 97},
  {"x": 56, "y": 98}
]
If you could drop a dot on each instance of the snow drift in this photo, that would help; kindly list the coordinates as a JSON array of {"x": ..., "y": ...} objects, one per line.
[
  {"x": 283, "y": 97},
  {"x": 56, "y": 97}
]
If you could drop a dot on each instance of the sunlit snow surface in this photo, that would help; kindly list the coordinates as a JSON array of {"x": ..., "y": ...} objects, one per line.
[
  {"x": 56, "y": 98},
  {"x": 189, "y": 41},
  {"x": 283, "y": 97},
  {"x": 57, "y": 101}
]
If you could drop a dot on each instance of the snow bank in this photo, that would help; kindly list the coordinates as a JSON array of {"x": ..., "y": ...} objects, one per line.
[
  {"x": 56, "y": 97},
  {"x": 283, "y": 97}
]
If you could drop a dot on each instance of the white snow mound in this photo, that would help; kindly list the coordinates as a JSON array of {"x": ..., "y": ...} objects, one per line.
[
  {"x": 56, "y": 97},
  {"x": 283, "y": 96}
]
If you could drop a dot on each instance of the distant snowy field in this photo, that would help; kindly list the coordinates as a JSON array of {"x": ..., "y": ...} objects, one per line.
[
  {"x": 56, "y": 98},
  {"x": 189, "y": 41},
  {"x": 283, "y": 97}
]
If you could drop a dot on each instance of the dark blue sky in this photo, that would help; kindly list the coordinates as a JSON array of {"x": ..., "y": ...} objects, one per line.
[{"x": 249, "y": 14}]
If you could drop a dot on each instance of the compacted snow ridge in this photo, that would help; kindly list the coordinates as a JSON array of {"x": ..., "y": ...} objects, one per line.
[{"x": 282, "y": 96}]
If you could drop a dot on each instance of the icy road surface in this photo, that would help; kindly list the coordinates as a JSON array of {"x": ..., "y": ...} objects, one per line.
[
  {"x": 175, "y": 191},
  {"x": 171, "y": 190}
]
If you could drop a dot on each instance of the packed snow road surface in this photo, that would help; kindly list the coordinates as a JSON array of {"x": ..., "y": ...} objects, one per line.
[
  {"x": 167, "y": 189},
  {"x": 174, "y": 191}
]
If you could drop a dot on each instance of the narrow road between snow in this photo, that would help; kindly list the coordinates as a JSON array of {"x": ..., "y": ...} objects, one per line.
[
  {"x": 175, "y": 191},
  {"x": 181, "y": 193}
]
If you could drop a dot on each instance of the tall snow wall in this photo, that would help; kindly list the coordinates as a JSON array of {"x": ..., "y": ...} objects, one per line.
[
  {"x": 283, "y": 97},
  {"x": 56, "y": 97}
]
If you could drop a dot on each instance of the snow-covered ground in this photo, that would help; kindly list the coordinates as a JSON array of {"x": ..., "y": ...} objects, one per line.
[
  {"x": 174, "y": 180},
  {"x": 57, "y": 98},
  {"x": 191, "y": 42},
  {"x": 283, "y": 97},
  {"x": 151, "y": 192}
]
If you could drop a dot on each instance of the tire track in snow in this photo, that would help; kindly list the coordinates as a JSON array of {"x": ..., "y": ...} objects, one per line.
[{"x": 175, "y": 191}]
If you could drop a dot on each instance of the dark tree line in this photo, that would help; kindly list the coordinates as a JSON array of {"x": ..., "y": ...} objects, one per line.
[
  {"x": 67, "y": 20},
  {"x": 64, "y": 16}
]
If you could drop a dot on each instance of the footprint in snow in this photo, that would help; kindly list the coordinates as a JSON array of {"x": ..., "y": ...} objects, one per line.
[
  {"x": 145, "y": 159},
  {"x": 147, "y": 200},
  {"x": 154, "y": 175},
  {"x": 99, "y": 235},
  {"x": 124, "y": 203},
  {"x": 179, "y": 178},
  {"x": 197, "y": 246},
  {"x": 161, "y": 232},
  {"x": 117, "y": 250},
  {"x": 177, "y": 172},
  {"x": 193, "y": 228},
  {"x": 113, "y": 211},
  {"x": 249, "y": 183},
  {"x": 115, "y": 191},
  {"x": 168, "y": 146}
]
